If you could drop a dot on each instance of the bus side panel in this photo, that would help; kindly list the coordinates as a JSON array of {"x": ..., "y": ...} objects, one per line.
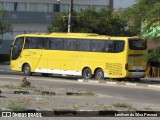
[
  {"x": 40, "y": 61},
  {"x": 54, "y": 59},
  {"x": 27, "y": 58},
  {"x": 115, "y": 65}
]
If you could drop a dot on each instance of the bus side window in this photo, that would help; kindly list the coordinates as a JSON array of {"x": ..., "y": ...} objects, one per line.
[
  {"x": 101, "y": 46},
  {"x": 27, "y": 43},
  {"x": 46, "y": 43},
  {"x": 69, "y": 44},
  {"x": 33, "y": 43},
  {"x": 43, "y": 43},
  {"x": 97, "y": 46},
  {"x": 56, "y": 44},
  {"x": 30, "y": 43},
  {"x": 93, "y": 45},
  {"x": 52, "y": 44},
  {"x": 109, "y": 46},
  {"x": 118, "y": 46},
  {"x": 83, "y": 45}
]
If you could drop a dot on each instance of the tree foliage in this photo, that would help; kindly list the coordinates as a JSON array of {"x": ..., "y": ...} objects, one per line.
[
  {"x": 146, "y": 13},
  {"x": 90, "y": 21},
  {"x": 4, "y": 25}
]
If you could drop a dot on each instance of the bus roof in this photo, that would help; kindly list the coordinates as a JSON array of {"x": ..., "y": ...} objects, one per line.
[{"x": 75, "y": 35}]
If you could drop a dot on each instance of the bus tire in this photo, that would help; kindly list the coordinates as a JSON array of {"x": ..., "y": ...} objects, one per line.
[
  {"x": 87, "y": 74},
  {"x": 99, "y": 74},
  {"x": 27, "y": 70}
]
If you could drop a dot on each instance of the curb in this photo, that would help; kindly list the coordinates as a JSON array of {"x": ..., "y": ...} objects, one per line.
[
  {"x": 119, "y": 83},
  {"x": 23, "y": 92},
  {"x": 76, "y": 113}
]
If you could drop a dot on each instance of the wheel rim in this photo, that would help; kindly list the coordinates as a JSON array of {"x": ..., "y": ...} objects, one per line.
[
  {"x": 99, "y": 75},
  {"x": 26, "y": 70},
  {"x": 87, "y": 75}
]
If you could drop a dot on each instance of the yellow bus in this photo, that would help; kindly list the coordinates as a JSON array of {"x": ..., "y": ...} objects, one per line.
[{"x": 79, "y": 54}]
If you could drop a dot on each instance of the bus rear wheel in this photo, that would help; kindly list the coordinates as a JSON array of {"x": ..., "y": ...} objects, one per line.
[
  {"x": 27, "y": 70},
  {"x": 87, "y": 73},
  {"x": 99, "y": 75}
]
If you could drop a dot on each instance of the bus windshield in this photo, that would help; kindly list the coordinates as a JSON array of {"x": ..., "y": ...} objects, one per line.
[
  {"x": 137, "y": 44},
  {"x": 17, "y": 48}
]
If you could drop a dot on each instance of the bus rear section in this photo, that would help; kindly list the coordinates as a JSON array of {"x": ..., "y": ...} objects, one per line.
[{"x": 136, "y": 65}]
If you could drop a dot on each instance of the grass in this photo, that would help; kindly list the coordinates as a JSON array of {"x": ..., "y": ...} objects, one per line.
[
  {"x": 75, "y": 106},
  {"x": 102, "y": 107},
  {"x": 123, "y": 106},
  {"x": 16, "y": 107},
  {"x": 146, "y": 108},
  {"x": 11, "y": 86}
]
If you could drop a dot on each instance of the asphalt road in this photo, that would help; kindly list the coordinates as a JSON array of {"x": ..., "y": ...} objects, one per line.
[
  {"x": 131, "y": 95},
  {"x": 146, "y": 97}
]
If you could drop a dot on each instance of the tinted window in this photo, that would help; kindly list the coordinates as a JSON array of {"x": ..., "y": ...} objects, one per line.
[
  {"x": 109, "y": 46},
  {"x": 118, "y": 46},
  {"x": 137, "y": 44},
  {"x": 69, "y": 44},
  {"x": 36, "y": 43},
  {"x": 17, "y": 48},
  {"x": 72, "y": 44},
  {"x": 56, "y": 7},
  {"x": 83, "y": 45},
  {"x": 98, "y": 46},
  {"x": 42, "y": 43},
  {"x": 30, "y": 43},
  {"x": 56, "y": 44},
  {"x": 114, "y": 46}
]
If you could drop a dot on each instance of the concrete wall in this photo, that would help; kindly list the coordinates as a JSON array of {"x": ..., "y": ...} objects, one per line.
[
  {"x": 89, "y": 2},
  {"x": 29, "y": 17},
  {"x": 37, "y": 21},
  {"x": 5, "y": 47}
]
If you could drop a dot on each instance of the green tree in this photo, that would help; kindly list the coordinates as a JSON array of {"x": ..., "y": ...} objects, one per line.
[
  {"x": 90, "y": 21},
  {"x": 146, "y": 13},
  {"x": 4, "y": 25},
  {"x": 59, "y": 24}
]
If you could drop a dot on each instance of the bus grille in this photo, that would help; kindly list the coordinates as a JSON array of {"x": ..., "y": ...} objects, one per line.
[{"x": 115, "y": 69}]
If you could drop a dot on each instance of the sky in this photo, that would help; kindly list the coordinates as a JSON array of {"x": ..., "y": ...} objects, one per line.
[{"x": 123, "y": 3}]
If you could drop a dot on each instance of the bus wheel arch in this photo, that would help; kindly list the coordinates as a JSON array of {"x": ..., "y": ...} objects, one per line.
[
  {"x": 86, "y": 73},
  {"x": 26, "y": 69},
  {"x": 99, "y": 74}
]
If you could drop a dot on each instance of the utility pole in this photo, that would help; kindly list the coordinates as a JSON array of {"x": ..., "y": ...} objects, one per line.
[{"x": 70, "y": 16}]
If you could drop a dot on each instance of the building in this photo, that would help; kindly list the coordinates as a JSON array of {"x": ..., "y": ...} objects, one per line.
[
  {"x": 30, "y": 16},
  {"x": 123, "y": 3}
]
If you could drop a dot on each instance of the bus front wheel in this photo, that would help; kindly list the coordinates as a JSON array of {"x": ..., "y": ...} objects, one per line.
[
  {"x": 27, "y": 70},
  {"x": 99, "y": 75},
  {"x": 87, "y": 73}
]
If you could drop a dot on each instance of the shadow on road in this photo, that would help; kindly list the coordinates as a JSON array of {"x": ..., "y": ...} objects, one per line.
[{"x": 5, "y": 70}]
